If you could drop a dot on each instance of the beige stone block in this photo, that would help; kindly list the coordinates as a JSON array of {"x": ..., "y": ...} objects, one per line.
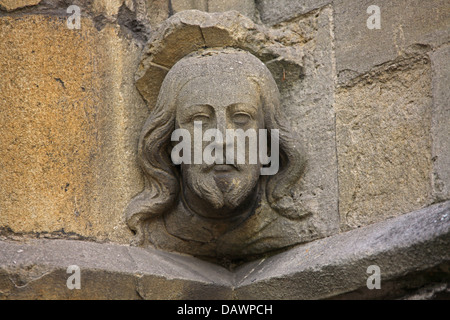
[
  {"x": 384, "y": 143},
  {"x": 157, "y": 11},
  {"x": 246, "y": 7},
  {"x": 107, "y": 7},
  {"x": 182, "y": 5},
  {"x": 69, "y": 123},
  {"x": 10, "y": 5}
]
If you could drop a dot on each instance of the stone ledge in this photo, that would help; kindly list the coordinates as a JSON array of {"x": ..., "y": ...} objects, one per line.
[
  {"x": 332, "y": 266},
  {"x": 411, "y": 244}
]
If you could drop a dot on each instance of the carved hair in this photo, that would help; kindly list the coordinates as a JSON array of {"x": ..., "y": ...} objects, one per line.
[{"x": 162, "y": 177}]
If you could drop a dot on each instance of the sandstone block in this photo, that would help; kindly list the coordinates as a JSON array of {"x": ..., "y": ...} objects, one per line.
[
  {"x": 384, "y": 143},
  {"x": 245, "y": 7},
  {"x": 70, "y": 118},
  {"x": 10, "y": 5}
]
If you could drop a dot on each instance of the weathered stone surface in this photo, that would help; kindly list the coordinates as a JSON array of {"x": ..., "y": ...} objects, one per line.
[
  {"x": 245, "y": 7},
  {"x": 441, "y": 123},
  {"x": 157, "y": 11},
  {"x": 308, "y": 101},
  {"x": 276, "y": 11},
  {"x": 107, "y": 7},
  {"x": 384, "y": 143},
  {"x": 403, "y": 23},
  {"x": 408, "y": 249},
  {"x": 189, "y": 31},
  {"x": 10, "y": 5},
  {"x": 70, "y": 118},
  {"x": 182, "y": 5},
  {"x": 328, "y": 267},
  {"x": 38, "y": 270}
]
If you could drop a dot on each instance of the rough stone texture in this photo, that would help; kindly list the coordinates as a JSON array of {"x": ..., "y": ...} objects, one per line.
[
  {"x": 276, "y": 11},
  {"x": 308, "y": 100},
  {"x": 182, "y": 5},
  {"x": 107, "y": 7},
  {"x": 70, "y": 118},
  {"x": 38, "y": 270},
  {"x": 403, "y": 23},
  {"x": 384, "y": 143},
  {"x": 245, "y": 7},
  {"x": 410, "y": 250},
  {"x": 10, "y": 5},
  {"x": 429, "y": 284},
  {"x": 441, "y": 123},
  {"x": 157, "y": 11},
  {"x": 328, "y": 267}
]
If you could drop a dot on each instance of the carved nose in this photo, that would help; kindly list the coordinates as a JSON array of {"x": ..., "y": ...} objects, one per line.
[{"x": 222, "y": 125}]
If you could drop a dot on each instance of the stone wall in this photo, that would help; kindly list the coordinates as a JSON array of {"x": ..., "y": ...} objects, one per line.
[{"x": 370, "y": 105}]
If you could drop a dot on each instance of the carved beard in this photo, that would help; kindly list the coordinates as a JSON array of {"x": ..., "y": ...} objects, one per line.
[{"x": 227, "y": 190}]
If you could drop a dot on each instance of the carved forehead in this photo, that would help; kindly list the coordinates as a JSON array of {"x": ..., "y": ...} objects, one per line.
[
  {"x": 224, "y": 63},
  {"x": 220, "y": 90}
]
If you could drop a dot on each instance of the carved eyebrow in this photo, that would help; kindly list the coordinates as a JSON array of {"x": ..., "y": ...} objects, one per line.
[
  {"x": 243, "y": 107},
  {"x": 191, "y": 111}
]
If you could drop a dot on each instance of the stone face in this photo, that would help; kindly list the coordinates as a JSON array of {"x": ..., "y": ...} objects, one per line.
[
  {"x": 299, "y": 54},
  {"x": 10, "y": 5},
  {"x": 384, "y": 144},
  {"x": 219, "y": 212},
  {"x": 441, "y": 123},
  {"x": 411, "y": 250},
  {"x": 276, "y": 11},
  {"x": 403, "y": 24},
  {"x": 70, "y": 118}
]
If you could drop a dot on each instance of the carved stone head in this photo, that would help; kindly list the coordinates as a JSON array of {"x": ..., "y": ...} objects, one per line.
[{"x": 224, "y": 209}]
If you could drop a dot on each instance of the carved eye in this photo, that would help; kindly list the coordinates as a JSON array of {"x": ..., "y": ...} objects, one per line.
[
  {"x": 241, "y": 118},
  {"x": 202, "y": 117}
]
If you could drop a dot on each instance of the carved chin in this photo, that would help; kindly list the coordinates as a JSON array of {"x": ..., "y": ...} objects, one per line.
[{"x": 222, "y": 191}]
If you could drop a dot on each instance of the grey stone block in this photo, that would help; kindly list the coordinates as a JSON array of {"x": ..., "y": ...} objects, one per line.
[
  {"x": 276, "y": 11},
  {"x": 338, "y": 264},
  {"x": 37, "y": 270},
  {"x": 403, "y": 24},
  {"x": 441, "y": 123}
]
